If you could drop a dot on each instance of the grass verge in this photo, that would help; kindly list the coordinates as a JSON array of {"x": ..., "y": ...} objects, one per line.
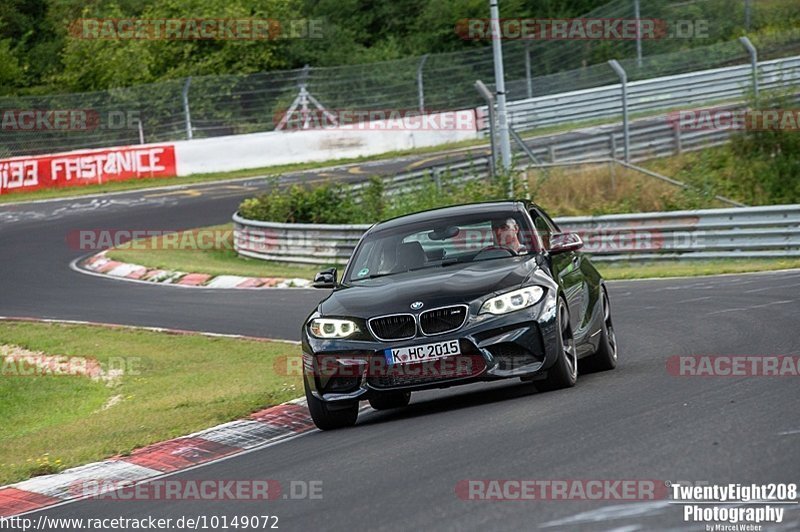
[
  {"x": 218, "y": 260},
  {"x": 174, "y": 385}
]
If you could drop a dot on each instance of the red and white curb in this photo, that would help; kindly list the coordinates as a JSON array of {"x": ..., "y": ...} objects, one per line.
[
  {"x": 100, "y": 264},
  {"x": 265, "y": 427}
]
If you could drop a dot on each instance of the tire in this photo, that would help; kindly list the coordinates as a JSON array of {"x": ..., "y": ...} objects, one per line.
[
  {"x": 389, "y": 400},
  {"x": 326, "y": 418},
  {"x": 605, "y": 358},
  {"x": 564, "y": 372}
]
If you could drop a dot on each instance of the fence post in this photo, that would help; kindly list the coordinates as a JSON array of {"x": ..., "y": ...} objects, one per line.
[
  {"x": 678, "y": 142},
  {"x": 420, "y": 87},
  {"x": 487, "y": 95},
  {"x": 528, "y": 68},
  {"x": 186, "y": 113},
  {"x": 623, "y": 78},
  {"x": 753, "y": 63},
  {"x": 747, "y": 15},
  {"x": 636, "y": 15}
]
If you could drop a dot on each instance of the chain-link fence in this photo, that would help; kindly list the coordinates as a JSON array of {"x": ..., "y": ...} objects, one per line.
[{"x": 229, "y": 105}]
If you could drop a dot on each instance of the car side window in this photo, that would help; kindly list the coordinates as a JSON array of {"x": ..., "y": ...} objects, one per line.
[{"x": 544, "y": 227}]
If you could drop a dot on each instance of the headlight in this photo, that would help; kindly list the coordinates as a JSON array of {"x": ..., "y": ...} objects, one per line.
[
  {"x": 332, "y": 328},
  {"x": 511, "y": 301}
]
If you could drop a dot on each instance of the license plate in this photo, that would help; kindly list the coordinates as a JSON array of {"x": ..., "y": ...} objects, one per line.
[{"x": 422, "y": 353}]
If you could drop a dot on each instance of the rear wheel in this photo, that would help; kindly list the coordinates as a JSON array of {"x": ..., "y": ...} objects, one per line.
[
  {"x": 389, "y": 400},
  {"x": 564, "y": 372},
  {"x": 605, "y": 358},
  {"x": 327, "y": 416}
]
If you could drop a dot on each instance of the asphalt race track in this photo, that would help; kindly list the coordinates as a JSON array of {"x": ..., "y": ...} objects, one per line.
[{"x": 399, "y": 469}]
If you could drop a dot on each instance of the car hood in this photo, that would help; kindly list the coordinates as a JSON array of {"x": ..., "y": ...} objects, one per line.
[{"x": 434, "y": 287}]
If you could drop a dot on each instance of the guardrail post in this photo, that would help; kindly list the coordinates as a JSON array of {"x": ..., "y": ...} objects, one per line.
[
  {"x": 420, "y": 86},
  {"x": 623, "y": 78},
  {"x": 484, "y": 91},
  {"x": 678, "y": 142},
  {"x": 437, "y": 178},
  {"x": 613, "y": 145},
  {"x": 612, "y": 168},
  {"x": 753, "y": 63},
  {"x": 552, "y": 151},
  {"x": 186, "y": 113}
]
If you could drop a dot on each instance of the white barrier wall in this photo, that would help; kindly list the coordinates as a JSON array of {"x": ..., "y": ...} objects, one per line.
[
  {"x": 237, "y": 152},
  {"x": 257, "y": 150}
]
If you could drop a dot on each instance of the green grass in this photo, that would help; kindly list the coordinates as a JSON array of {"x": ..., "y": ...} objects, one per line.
[
  {"x": 178, "y": 384},
  {"x": 691, "y": 268},
  {"x": 212, "y": 261}
]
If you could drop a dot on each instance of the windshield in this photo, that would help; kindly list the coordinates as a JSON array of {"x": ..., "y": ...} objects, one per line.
[{"x": 443, "y": 242}]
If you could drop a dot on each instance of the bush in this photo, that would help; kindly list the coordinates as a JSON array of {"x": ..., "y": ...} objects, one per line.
[
  {"x": 330, "y": 203},
  {"x": 342, "y": 204}
]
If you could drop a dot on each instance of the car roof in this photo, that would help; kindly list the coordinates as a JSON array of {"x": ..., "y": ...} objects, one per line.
[{"x": 454, "y": 210}]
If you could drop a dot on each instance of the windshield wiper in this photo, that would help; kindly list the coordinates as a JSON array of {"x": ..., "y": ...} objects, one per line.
[{"x": 373, "y": 276}]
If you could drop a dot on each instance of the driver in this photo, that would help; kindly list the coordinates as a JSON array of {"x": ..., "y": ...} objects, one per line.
[{"x": 506, "y": 235}]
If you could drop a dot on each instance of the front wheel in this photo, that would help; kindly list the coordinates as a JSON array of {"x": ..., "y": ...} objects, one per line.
[
  {"x": 389, "y": 400},
  {"x": 327, "y": 418},
  {"x": 564, "y": 372}
]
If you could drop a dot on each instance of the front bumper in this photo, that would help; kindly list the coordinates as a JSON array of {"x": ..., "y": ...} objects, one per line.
[{"x": 518, "y": 344}]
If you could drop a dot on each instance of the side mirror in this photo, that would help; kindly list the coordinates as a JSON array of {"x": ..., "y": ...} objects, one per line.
[
  {"x": 565, "y": 242},
  {"x": 325, "y": 279}
]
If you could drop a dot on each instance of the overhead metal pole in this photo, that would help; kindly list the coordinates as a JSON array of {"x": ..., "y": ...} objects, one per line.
[
  {"x": 753, "y": 63},
  {"x": 186, "y": 113},
  {"x": 623, "y": 78},
  {"x": 500, "y": 84}
]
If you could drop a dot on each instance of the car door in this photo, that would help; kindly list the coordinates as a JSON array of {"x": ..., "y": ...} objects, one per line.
[{"x": 567, "y": 267}]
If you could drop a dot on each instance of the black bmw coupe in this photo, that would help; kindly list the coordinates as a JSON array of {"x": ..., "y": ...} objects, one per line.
[{"x": 453, "y": 296}]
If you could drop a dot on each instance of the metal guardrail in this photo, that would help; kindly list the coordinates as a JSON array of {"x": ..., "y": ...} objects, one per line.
[
  {"x": 651, "y": 95},
  {"x": 751, "y": 232},
  {"x": 650, "y": 138}
]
